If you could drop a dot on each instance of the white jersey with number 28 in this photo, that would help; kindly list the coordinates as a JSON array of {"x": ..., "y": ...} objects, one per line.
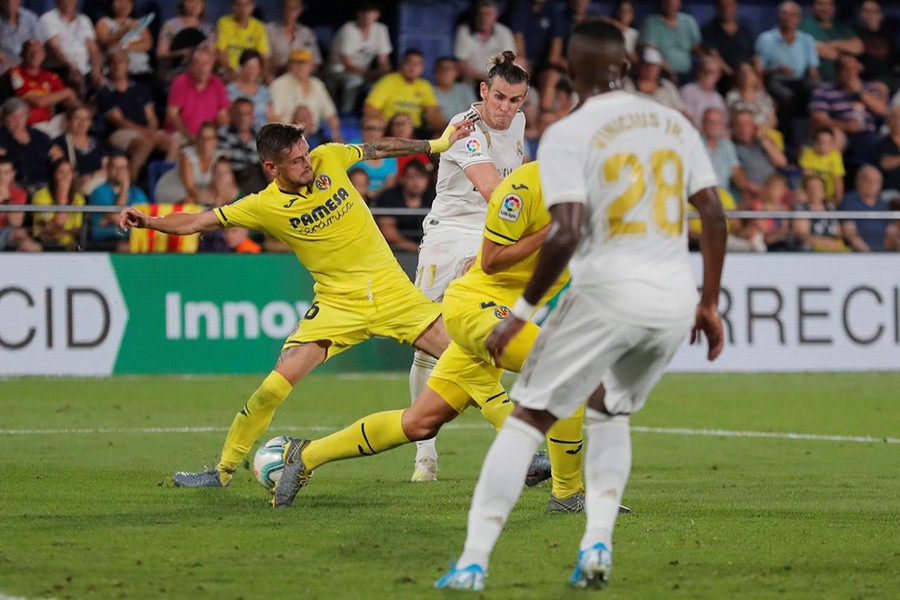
[{"x": 633, "y": 163}]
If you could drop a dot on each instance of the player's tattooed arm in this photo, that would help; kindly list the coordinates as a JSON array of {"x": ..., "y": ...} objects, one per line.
[{"x": 392, "y": 147}]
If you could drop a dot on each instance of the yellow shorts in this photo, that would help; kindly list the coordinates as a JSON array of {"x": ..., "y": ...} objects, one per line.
[
  {"x": 466, "y": 364},
  {"x": 394, "y": 308}
]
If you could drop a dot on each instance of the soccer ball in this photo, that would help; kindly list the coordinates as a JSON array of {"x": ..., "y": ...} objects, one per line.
[{"x": 269, "y": 461}]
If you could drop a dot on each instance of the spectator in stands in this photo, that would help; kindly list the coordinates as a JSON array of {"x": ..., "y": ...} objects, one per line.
[
  {"x": 789, "y": 63},
  {"x": 822, "y": 233},
  {"x": 675, "y": 34},
  {"x": 131, "y": 117},
  {"x": 401, "y": 126},
  {"x": 121, "y": 30},
  {"x": 72, "y": 45},
  {"x": 360, "y": 180},
  {"x": 248, "y": 85},
  {"x": 17, "y": 26},
  {"x": 43, "y": 90},
  {"x": 26, "y": 146},
  {"x": 749, "y": 94},
  {"x": 880, "y": 57},
  {"x": 481, "y": 37},
  {"x": 852, "y": 108},
  {"x": 180, "y": 35},
  {"x": 869, "y": 235},
  {"x": 192, "y": 178},
  {"x": 413, "y": 191},
  {"x": 196, "y": 96},
  {"x": 824, "y": 160},
  {"x": 382, "y": 171},
  {"x": 649, "y": 81},
  {"x": 832, "y": 38},
  {"x": 623, "y": 18},
  {"x": 453, "y": 96},
  {"x": 722, "y": 153},
  {"x": 233, "y": 239},
  {"x": 59, "y": 230},
  {"x": 237, "y": 142},
  {"x": 758, "y": 154},
  {"x": 776, "y": 233},
  {"x": 119, "y": 189},
  {"x": 290, "y": 34},
  {"x": 86, "y": 154},
  {"x": 303, "y": 117},
  {"x": 539, "y": 29},
  {"x": 237, "y": 32},
  {"x": 741, "y": 238},
  {"x": 702, "y": 93},
  {"x": 356, "y": 46},
  {"x": 728, "y": 40},
  {"x": 13, "y": 235},
  {"x": 406, "y": 91},
  {"x": 298, "y": 87},
  {"x": 887, "y": 151}
]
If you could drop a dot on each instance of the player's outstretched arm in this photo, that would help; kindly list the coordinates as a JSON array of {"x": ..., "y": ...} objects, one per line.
[
  {"x": 557, "y": 249},
  {"x": 392, "y": 147},
  {"x": 173, "y": 223},
  {"x": 712, "y": 246}
]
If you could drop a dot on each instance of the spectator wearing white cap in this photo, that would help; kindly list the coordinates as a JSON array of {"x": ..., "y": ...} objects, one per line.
[
  {"x": 298, "y": 87},
  {"x": 648, "y": 81}
]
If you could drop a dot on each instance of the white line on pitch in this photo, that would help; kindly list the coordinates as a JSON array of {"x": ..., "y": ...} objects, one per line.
[{"x": 474, "y": 426}]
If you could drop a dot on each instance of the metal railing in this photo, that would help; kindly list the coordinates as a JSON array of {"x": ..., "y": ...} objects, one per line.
[{"x": 886, "y": 215}]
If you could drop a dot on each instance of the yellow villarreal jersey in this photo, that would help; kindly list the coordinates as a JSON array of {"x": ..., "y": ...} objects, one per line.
[
  {"x": 328, "y": 226},
  {"x": 234, "y": 39},
  {"x": 516, "y": 210}
]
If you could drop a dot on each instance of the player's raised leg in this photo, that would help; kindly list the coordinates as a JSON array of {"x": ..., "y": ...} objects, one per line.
[{"x": 253, "y": 419}]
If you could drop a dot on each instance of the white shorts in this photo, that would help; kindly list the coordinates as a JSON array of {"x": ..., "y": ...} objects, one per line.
[
  {"x": 580, "y": 347},
  {"x": 443, "y": 258}
]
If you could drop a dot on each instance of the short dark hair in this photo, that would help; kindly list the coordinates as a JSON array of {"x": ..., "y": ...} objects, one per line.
[
  {"x": 822, "y": 130},
  {"x": 413, "y": 52},
  {"x": 418, "y": 166},
  {"x": 7, "y": 160},
  {"x": 248, "y": 55},
  {"x": 505, "y": 67},
  {"x": 274, "y": 138},
  {"x": 599, "y": 30}
]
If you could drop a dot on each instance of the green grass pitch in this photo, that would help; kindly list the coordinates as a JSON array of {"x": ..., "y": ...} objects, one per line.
[{"x": 87, "y": 509}]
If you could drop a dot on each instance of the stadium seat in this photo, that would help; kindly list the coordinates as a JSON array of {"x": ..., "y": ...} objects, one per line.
[{"x": 155, "y": 170}]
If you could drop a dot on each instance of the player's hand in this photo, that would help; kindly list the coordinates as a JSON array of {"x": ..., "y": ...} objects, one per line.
[
  {"x": 453, "y": 133},
  {"x": 130, "y": 217},
  {"x": 502, "y": 335},
  {"x": 708, "y": 321}
]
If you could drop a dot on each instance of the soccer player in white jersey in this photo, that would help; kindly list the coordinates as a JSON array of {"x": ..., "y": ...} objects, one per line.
[
  {"x": 616, "y": 174},
  {"x": 465, "y": 180}
]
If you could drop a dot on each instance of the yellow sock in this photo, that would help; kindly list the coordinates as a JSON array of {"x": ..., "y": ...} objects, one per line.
[
  {"x": 373, "y": 434},
  {"x": 565, "y": 442},
  {"x": 252, "y": 421}
]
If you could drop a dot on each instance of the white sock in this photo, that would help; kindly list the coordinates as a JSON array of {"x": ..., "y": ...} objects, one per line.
[
  {"x": 418, "y": 377},
  {"x": 607, "y": 467},
  {"x": 499, "y": 487}
]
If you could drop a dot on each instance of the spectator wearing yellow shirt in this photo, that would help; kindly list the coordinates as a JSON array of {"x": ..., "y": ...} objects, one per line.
[
  {"x": 825, "y": 160},
  {"x": 59, "y": 230},
  {"x": 237, "y": 32},
  {"x": 405, "y": 91}
]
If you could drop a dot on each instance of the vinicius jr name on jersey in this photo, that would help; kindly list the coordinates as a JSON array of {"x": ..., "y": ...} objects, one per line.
[{"x": 637, "y": 120}]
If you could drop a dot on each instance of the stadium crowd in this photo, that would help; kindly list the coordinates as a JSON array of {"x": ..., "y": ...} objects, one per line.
[{"x": 124, "y": 109}]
